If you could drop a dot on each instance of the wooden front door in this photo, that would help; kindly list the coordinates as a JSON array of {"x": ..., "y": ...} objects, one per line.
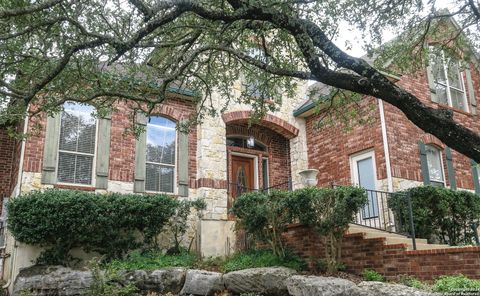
[{"x": 242, "y": 175}]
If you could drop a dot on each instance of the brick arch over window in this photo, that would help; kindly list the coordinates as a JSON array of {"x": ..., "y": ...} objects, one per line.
[
  {"x": 241, "y": 130},
  {"x": 172, "y": 113},
  {"x": 428, "y": 139},
  {"x": 271, "y": 121}
]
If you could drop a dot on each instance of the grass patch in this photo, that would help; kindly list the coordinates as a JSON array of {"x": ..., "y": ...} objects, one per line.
[
  {"x": 261, "y": 258},
  {"x": 455, "y": 283},
  {"x": 153, "y": 260}
]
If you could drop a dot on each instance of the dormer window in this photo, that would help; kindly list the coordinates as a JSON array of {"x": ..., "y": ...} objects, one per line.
[{"x": 448, "y": 81}]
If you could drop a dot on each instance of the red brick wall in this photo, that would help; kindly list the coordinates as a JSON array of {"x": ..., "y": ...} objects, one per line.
[
  {"x": 359, "y": 254},
  {"x": 403, "y": 135},
  {"x": 122, "y": 143},
  {"x": 7, "y": 163},
  {"x": 329, "y": 147}
]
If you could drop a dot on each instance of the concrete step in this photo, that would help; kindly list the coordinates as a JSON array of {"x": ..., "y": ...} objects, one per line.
[{"x": 394, "y": 238}]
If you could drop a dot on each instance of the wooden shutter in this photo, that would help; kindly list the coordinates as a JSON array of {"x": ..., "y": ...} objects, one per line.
[
  {"x": 183, "y": 163},
  {"x": 451, "y": 170},
  {"x": 103, "y": 152},
  {"x": 424, "y": 163},
  {"x": 50, "y": 149},
  {"x": 476, "y": 182},
  {"x": 471, "y": 92},
  {"x": 140, "y": 154}
]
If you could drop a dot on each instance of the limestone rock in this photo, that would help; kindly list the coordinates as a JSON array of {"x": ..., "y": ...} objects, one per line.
[
  {"x": 160, "y": 281},
  {"x": 384, "y": 289},
  {"x": 201, "y": 282},
  {"x": 322, "y": 286},
  {"x": 269, "y": 281},
  {"x": 52, "y": 280}
]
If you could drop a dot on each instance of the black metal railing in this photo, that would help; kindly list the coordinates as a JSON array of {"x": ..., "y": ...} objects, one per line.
[
  {"x": 377, "y": 214},
  {"x": 239, "y": 189}
]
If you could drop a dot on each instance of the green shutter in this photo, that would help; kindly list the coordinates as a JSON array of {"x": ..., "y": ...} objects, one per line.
[
  {"x": 431, "y": 84},
  {"x": 424, "y": 163},
  {"x": 50, "y": 149},
  {"x": 471, "y": 92},
  {"x": 140, "y": 154},
  {"x": 476, "y": 182},
  {"x": 103, "y": 152},
  {"x": 183, "y": 164},
  {"x": 451, "y": 170}
]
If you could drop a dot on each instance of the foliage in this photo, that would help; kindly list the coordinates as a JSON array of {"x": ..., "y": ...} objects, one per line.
[
  {"x": 329, "y": 211},
  {"x": 372, "y": 275},
  {"x": 456, "y": 283},
  {"x": 178, "y": 222},
  {"x": 151, "y": 260},
  {"x": 106, "y": 283},
  {"x": 438, "y": 213},
  {"x": 262, "y": 258},
  {"x": 109, "y": 224},
  {"x": 265, "y": 216},
  {"x": 411, "y": 281},
  {"x": 322, "y": 266},
  {"x": 53, "y": 51}
]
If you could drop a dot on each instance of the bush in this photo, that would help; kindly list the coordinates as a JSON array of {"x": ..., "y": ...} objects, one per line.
[
  {"x": 456, "y": 283},
  {"x": 372, "y": 276},
  {"x": 178, "y": 222},
  {"x": 411, "y": 281},
  {"x": 265, "y": 216},
  {"x": 438, "y": 214},
  {"x": 328, "y": 211},
  {"x": 152, "y": 260},
  {"x": 106, "y": 283},
  {"x": 110, "y": 224},
  {"x": 262, "y": 258}
]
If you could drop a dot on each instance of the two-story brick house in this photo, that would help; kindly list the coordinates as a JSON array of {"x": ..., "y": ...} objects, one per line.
[{"x": 223, "y": 156}]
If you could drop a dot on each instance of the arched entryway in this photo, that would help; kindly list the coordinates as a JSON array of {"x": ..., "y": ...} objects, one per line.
[{"x": 258, "y": 155}]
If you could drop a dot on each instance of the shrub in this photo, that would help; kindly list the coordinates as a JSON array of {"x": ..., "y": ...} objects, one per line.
[
  {"x": 456, "y": 283},
  {"x": 109, "y": 224},
  {"x": 411, "y": 281},
  {"x": 328, "y": 211},
  {"x": 372, "y": 276},
  {"x": 178, "y": 222},
  {"x": 151, "y": 260},
  {"x": 265, "y": 216},
  {"x": 106, "y": 283},
  {"x": 438, "y": 213},
  {"x": 262, "y": 258}
]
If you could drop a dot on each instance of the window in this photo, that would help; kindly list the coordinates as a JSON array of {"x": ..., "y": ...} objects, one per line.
[
  {"x": 266, "y": 181},
  {"x": 76, "y": 148},
  {"x": 160, "y": 155},
  {"x": 435, "y": 166},
  {"x": 253, "y": 88},
  {"x": 243, "y": 143},
  {"x": 448, "y": 81}
]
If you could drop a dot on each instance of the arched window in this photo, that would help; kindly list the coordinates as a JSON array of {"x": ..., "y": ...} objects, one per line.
[
  {"x": 244, "y": 142},
  {"x": 435, "y": 165},
  {"x": 160, "y": 155},
  {"x": 76, "y": 148}
]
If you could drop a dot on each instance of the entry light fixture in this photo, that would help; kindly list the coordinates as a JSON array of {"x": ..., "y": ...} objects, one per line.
[{"x": 250, "y": 142}]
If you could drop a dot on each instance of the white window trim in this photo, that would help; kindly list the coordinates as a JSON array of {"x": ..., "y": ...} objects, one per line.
[
  {"x": 448, "y": 86},
  {"x": 255, "y": 167},
  {"x": 354, "y": 159},
  {"x": 175, "y": 165},
  {"x": 94, "y": 165},
  {"x": 440, "y": 152}
]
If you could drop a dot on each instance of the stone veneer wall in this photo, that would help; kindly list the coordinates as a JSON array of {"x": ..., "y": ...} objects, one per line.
[{"x": 359, "y": 253}]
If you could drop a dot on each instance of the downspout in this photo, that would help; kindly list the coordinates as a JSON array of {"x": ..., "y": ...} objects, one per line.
[
  {"x": 385, "y": 146},
  {"x": 17, "y": 192}
]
